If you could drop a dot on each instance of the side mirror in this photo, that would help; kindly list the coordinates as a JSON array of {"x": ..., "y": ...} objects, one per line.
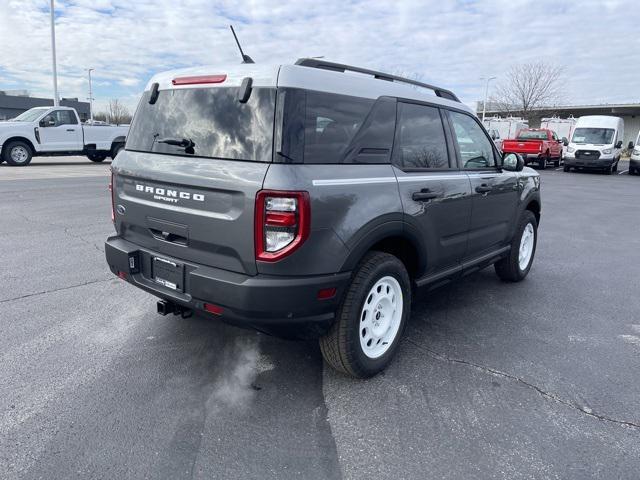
[
  {"x": 512, "y": 162},
  {"x": 47, "y": 122},
  {"x": 630, "y": 146},
  {"x": 565, "y": 141},
  {"x": 619, "y": 144}
]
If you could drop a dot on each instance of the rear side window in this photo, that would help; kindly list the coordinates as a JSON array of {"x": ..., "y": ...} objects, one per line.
[
  {"x": 319, "y": 127},
  {"x": 206, "y": 122},
  {"x": 420, "y": 139}
]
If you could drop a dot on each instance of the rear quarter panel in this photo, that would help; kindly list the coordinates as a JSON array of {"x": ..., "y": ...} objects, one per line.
[
  {"x": 102, "y": 135},
  {"x": 348, "y": 202}
]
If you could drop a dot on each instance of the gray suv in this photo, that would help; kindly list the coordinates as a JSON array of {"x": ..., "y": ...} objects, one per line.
[{"x": 310, "y": 200}]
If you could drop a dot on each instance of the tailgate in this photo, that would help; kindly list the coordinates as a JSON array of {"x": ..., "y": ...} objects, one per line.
[
  {"x": 522, "y": 146},
  {"x": 199, "y": 210}
]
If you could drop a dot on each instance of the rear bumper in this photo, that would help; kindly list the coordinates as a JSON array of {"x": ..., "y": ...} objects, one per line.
[{"x": 283, "y": 306}]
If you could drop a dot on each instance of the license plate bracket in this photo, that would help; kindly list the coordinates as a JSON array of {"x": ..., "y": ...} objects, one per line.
[{"x": 168, "y": 273}]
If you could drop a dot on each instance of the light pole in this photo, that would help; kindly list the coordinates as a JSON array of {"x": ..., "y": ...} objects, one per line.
[
  {"x": 486, "y": 93},
  {"x": 90, "y": 96},
  {"x": 53, "y": 53}
]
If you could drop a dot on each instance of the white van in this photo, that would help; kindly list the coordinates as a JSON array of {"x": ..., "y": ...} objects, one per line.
[
  {"x": 596, "y": 143},
  {"x": 634, "y": 162},
  {"x": 506, "y": 127},
  {"x": 562, "y": 127}
]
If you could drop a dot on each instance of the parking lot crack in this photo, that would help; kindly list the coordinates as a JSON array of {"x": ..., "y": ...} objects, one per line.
[
  {"x": 539, "y": 390},
  {"x": 44, "y": 292}
]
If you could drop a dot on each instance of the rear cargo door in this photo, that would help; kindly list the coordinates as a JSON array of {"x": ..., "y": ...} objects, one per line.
[
  {"x": 186, "y": 183},
  {"x": 196, "y": 211}
]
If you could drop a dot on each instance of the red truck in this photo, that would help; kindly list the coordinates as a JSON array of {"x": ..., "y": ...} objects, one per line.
[{"x": 536, "y": 145}]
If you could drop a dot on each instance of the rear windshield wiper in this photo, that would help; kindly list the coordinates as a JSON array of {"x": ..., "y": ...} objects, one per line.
[{"x": 178, "y": 142}]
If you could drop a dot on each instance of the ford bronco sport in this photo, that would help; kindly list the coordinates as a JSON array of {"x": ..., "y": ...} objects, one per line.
[{"x": 310, "y": 200}]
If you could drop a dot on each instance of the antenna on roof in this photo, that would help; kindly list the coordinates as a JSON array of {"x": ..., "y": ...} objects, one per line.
[{"x": 245, "y": 58}]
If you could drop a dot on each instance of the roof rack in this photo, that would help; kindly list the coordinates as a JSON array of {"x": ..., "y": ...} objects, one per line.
[{"x": 338, "y": 67}]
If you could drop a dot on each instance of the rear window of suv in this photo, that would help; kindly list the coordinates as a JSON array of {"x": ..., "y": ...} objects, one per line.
[{"x": 207, "y": 122}]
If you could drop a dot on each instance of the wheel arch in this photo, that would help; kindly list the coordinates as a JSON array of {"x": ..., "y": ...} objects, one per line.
[
  {"x": 20, "y": 139},
  {"x": 394, "y": 238},
  {"x": 534, "y": 206}
]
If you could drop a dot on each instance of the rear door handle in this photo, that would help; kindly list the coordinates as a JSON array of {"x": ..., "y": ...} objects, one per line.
[
  {"x": 425, "y": 195},
  {"x": 484, "y": 188},
  {"x": 71, "y": 129}
]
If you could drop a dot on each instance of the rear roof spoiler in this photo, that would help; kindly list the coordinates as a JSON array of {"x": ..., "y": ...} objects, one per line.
[{"x": 338, "y": 67}]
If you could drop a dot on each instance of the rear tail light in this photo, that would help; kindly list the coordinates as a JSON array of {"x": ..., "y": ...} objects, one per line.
[
  {"x": 282, "y": 221},
  {"x": 113, "y": 206}
]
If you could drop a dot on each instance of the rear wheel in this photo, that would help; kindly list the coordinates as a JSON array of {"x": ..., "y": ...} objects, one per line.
[
  {"x": 116, "y": 149},
  {"x": 632, "y": 171},
  {"x": 96, "y": 157},
  {"x": 517, "y": 264},
  {"x": 371, "y": 319},
  {"x": 567, "y": 168},
  {"x": 543, "y": 161},
  {"x": 17, "y": 153}
]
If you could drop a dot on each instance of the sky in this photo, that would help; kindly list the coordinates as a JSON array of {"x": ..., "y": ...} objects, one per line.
[{"x": 452, "y": 44}]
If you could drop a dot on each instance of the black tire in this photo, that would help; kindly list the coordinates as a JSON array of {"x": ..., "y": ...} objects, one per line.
[
  {"x": 96, "y": 157},
  {"x": 116, "y": 149},
  {"x": 341, "y": 347},
  {"x": 567, "y": 168},
  {"x": 609, "y": 170},
  {"x": 12, "y": 148},
  {"x": 543, "y": 161},
  {"x": 632, "y": 171},
  {"x": 508, "y": 269}
]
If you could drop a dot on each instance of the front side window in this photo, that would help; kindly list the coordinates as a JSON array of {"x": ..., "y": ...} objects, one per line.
[
  {"x": 206, "y": 122},
  {"x": 65, "y": 117},
  {"x": 475, "y": 148},
  {"x": 420, "y": 140}
]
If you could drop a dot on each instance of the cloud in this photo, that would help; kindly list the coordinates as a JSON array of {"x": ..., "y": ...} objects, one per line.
[{"x": 448, "y": 43}]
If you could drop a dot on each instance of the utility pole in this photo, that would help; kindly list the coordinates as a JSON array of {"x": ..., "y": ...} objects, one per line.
[
  {"x": 90, "y": 96},
  {"x": 486, "y": 94},
  {"x": 53, "y": 53}
]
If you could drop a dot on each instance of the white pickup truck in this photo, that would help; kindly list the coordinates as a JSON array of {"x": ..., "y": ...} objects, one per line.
[{"x": 48, "y": 131}]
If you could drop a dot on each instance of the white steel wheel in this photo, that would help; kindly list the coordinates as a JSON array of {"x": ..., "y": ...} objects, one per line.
[
  {"x": 526, "y": 246},
  {"x": 380, "y": 317},
  {"x": 19, "y": 154}
]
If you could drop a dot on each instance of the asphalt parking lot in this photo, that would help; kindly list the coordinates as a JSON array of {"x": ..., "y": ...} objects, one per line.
[{"x": 532, "y": 380}]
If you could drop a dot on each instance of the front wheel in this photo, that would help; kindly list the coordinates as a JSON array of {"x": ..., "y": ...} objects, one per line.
[
  {"x": 371, "y": 318},
  {"x": 517, "y": 264},
  {"x": 567, "y": 168},
  {"x": 17, "y": 154}
]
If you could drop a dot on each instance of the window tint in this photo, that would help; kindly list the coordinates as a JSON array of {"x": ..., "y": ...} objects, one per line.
[
  {"x": 211, "y": 122},
  {"x": 475, "y": 148},
  {"x": 420, "y": 140},
  {"x": 318, "y": 127},
  {"x": 331, "y": 121}
]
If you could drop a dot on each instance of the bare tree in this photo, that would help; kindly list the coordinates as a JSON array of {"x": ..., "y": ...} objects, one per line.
[
  {"x": 117, "y": 112},
  {"x": 527, "y": 87},
  {"x": 100, "y": 116}
]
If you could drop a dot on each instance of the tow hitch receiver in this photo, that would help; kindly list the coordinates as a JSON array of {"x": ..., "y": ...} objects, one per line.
[{"x": 165, "y": 307}]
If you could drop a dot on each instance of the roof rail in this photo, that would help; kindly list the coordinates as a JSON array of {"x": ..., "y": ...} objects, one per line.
[{"x": 338, "y": 67}]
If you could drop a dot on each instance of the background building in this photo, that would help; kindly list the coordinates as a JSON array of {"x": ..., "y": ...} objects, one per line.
[
  {"x": 14, "y": 102},
  {"x": 629, "y": 112}
]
